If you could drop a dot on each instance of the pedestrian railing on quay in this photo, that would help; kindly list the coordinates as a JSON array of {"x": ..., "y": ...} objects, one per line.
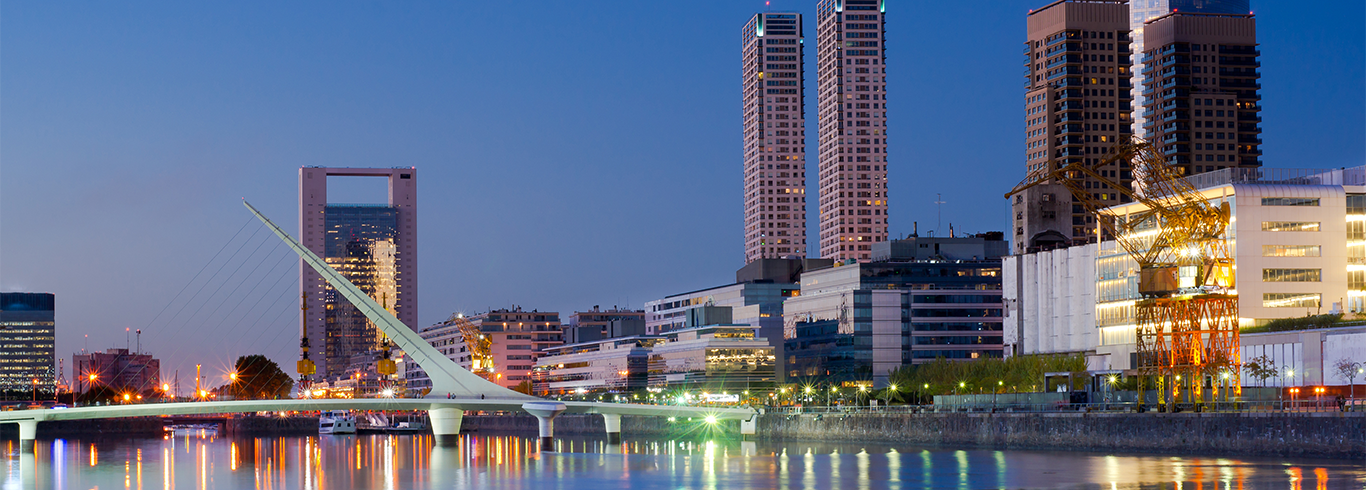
[{"x": 1272, "y": 406}]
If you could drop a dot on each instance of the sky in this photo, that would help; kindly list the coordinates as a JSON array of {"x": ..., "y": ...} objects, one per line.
[{"x": 569, "y": 154}]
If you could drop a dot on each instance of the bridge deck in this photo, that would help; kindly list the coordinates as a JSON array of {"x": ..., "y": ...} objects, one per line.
[{"x": 247, "y": 406}]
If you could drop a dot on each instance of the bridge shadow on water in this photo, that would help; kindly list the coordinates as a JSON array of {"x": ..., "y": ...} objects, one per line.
[{"x": 200, "y": 458}]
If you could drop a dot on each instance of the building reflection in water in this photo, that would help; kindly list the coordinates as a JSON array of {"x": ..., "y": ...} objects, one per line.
[{"x": 200, "y": 459}]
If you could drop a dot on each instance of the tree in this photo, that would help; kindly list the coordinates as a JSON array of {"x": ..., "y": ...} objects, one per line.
[
  {"x": 259, "y": 377},
  {"x": 1349, "y": 370},
  {"x": 1262, "y": 368},
  {"x": 523, "y": 387}
]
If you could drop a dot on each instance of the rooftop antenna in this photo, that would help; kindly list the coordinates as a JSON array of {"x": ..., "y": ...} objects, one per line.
[{"x": 939, "y": 217}]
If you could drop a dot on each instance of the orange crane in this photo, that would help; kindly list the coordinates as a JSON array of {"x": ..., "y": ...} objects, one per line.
[
  {"x": 1187, "y": 318},
  {"x": 477, "y": 344}
]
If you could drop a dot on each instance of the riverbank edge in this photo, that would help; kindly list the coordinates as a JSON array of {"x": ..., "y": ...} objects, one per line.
[{"x": 1328, "y": 435}]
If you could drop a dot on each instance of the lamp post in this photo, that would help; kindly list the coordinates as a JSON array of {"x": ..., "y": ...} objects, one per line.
[{"x": 35, "y": 389}]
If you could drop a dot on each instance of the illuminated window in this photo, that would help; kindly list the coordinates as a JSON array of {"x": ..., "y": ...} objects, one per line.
[
  {"x": 1291, "y": 250},
  {"x": 1292, "y": 275},
  {"x": 1288, "y": 201},
  {"x": 1290, "y": 226},
  {"x": 1290, "y": 300}
]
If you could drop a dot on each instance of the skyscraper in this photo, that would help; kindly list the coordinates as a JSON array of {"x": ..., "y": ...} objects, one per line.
[
  {"x": 28, "y": 334},
  {"x": 775, "y": 136},
  {"x": 1077, "y": 105},
  {"x": 851, "y": 72},
  {"x": 1201, "y": 78},
  {"x": 1142, "y": 11},
  {"x": 373, "y": 246}
]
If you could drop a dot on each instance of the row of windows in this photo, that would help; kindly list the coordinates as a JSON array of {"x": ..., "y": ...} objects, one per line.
[
  {"x": 1291, "y": 300},
  {"x": 1290, "y": 201},
  {"x": 1290, "y": 226},
  {"x": 1292, "y": 275},
  {"x": 1291, "y": 250}
]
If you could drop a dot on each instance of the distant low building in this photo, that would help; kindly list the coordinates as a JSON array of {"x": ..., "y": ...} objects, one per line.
[
  {"x": 713, "y": 357},
  {"x": 616, "y": 365},
  {"x": 117, "y": 369},
  {"x": 517, "y": 338},
  {"x": 28, "y": 337}
]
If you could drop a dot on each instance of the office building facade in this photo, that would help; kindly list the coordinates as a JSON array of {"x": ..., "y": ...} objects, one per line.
[
  {"x": 1201, "y": 83},
  {"x": 1299, "y": 252},
  {"x": 852, "y": 111},
  {"x": 858, "y": 322},
  {"x": 1077, "y": 106},
  {"x": 374, "y": 247},
  {"x": 28, "y": 336},
  {"x": 774, "y": 136},
  {"x": 117, "y": 369}
]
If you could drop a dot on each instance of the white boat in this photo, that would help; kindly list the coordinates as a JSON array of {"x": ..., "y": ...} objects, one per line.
[{"x": 336, "y": 422}]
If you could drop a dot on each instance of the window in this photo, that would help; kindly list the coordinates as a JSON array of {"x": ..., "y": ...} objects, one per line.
[
  {"x": 1289, "y": 201},
  {"x": 1291, "y": 250},
  {"x": 1290, "y": 300},
  {"x": 1292, "y": 275},
  {"x": 1290, "y": 226}
]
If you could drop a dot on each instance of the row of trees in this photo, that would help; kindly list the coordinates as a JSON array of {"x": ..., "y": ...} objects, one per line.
[{"x": 1011, "y": 375}]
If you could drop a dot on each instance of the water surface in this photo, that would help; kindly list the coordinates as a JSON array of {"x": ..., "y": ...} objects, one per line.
[{"x": 203, "y": 460}]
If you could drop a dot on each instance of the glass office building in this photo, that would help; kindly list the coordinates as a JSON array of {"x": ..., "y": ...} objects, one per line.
[{"x": 27, "y": 341}]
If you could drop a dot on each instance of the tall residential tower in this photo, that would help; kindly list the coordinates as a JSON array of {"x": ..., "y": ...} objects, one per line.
[
  {"x": 775, "y": 136},
  {"x": 1201, "y": 81},
  {"x": 1077, "y": 105},
  {"x": 1142, "y": 11},
  {"x": 851, "y": 71},
  {"x": 374, "y": 246}
]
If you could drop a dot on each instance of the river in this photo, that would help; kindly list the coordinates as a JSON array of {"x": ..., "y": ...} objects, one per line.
[{"x": 200, "y": 459}]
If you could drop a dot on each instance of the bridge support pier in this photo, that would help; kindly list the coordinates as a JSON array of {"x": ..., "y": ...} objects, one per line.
[
  {"x": 446, "y": 425},
  {"x": 28, "y": 433},
  {"x": 613, "y": 423},
  {"x": 749, "y": 427},
  {"x": 545, "y": 413}
]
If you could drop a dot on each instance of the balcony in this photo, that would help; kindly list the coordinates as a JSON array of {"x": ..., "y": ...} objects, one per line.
[
  {"x": 1069, "y": 152},
  {"x": 1064, "y": 60},
  {"x": 1176, "y": 137},
  {"x": 1243, "y": 84},
  {"x": 1071, "y": 105},
  {"x": 1068, "y": 94},
  {"x": 1249, "y": 118},
  {"x": 1070, "y": 117},
  {"x": 1070, "y": 129},
  {"x": 1248, "y": 139},
  {"x": 1240, "y": 50}
]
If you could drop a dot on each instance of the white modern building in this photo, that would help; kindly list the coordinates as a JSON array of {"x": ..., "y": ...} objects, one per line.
[
  {"x": 604, "y": 366},
  {"x": 1298, "y": 240}
]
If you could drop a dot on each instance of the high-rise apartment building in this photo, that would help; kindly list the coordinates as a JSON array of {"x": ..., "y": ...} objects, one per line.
[
  {"x": 1077, "y": 105},
  {"x": 1142, "y": 11},
  {"x": 28, "y": 335},
  {"x": 1200, "y": 80},
  {"x": 775, "y": 136},
  {"x": 374, "y": 247},
  {"x": 851, "y": 72}
]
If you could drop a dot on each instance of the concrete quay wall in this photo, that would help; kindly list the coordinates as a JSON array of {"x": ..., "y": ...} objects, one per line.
[{"x": 1321, "y": 434}]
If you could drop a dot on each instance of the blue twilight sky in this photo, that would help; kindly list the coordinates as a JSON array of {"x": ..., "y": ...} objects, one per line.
[{"x": 569, "y": 154}]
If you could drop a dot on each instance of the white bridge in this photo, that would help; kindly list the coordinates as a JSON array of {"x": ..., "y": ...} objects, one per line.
[{"x": 454, "y": 389}]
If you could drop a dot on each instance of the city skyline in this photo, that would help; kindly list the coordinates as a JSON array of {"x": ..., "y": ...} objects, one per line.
[{"x": 91, "y": 160}]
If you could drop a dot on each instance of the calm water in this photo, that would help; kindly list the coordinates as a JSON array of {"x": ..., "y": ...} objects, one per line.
[{"x": 201, "y": 460}]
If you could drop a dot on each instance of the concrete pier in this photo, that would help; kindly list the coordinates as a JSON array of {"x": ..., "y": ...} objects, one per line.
[
  {"x": 446, "y": 425},
  {"x": 545, "y": 413},
  {"x": 613, "y": 423}
]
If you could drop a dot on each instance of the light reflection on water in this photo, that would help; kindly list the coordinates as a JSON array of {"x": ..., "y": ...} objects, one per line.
[{"x": 202, "y": 460}]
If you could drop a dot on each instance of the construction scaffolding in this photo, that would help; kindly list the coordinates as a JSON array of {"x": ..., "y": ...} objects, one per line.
[{"x": 1186, "y": 319}]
